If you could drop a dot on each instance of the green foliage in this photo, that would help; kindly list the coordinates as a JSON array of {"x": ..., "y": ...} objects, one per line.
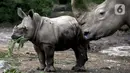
[
  {"x": 2, "y": 54},
  {"x": 12, "y": 43},
  {"x": 96, "y": 1},
  {"x": 80, "y": 4},
  {"x": 12, "y": 70},
  {"x": 83, "y": 4},
  {"x": 8, "y": 8}
]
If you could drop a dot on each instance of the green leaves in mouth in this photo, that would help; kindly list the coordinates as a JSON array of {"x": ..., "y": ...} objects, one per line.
[{"x": 12, "y": 43}]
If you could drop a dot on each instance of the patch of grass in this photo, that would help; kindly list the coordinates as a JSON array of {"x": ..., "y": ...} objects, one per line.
[
  {"x": 3, "y": 54},
  {"x": 13, "y": 61},
  {"x": 12, "y": 70},
  {"x": 10, "y": 58},
  {"x": 42, "y": 72}
]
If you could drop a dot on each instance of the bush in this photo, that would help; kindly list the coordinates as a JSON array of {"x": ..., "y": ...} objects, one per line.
[
  {"x": 12, "y": 70},
  {"x": 83, "y": 4},
  {"x": 8, "y": 8},
  {"x": 43, "y": 7},
  {"x": 7, "y": 11},
  {"x": 97, "y": 1}
]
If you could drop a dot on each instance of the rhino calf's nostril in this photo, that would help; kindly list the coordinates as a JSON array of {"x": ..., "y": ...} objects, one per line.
[
  {"x": 86, "y": 33},
  {"x": 13, "y": 36}
]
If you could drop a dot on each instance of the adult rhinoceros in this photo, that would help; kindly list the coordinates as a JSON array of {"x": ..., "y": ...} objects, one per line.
[
  {"x": 52, "y": 34},
  {"x": 107, "y": 18}
]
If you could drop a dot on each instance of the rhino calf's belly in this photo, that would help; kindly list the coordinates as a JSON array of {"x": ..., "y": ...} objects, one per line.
[
  {"x": 68, "y": 39},
  {"x": 64, "y": 46}
]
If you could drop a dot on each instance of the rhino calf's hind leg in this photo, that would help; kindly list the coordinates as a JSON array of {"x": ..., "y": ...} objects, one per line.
[
  {"x": 81, "y": 58},
  {"x": 41, "y": 57},
  {"x": 49, "y": 56}
]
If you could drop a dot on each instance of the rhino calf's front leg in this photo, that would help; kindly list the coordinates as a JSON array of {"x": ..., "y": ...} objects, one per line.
[
  {"x": 41, "y": 57},
  {"x": 49, "y": 56}
]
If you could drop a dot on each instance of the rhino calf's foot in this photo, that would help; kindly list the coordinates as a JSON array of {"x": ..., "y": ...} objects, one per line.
[
  {"x": 50, "y": 69},
  {"x": 41, "y": 68},
  {"x": 79, "y": 69}
]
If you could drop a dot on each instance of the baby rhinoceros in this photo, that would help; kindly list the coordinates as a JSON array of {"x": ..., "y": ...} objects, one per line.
[{"x": 52, "y": 34}]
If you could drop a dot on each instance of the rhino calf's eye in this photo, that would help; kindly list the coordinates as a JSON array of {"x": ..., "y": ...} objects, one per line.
[{"x": 102, "y": 13}]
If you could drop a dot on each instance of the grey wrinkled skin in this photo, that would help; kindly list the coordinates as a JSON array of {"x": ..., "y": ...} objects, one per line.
[
  {"x": 52, "y": 34},
  {"x": 104, "y": 22}
]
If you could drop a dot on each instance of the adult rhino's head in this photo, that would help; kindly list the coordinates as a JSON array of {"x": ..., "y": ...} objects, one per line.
[
  {"x": 105, "y": 20},
  {"x": 28, "y": 25}
]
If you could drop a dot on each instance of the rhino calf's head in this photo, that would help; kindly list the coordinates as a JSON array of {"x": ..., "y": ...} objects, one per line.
[{"x": 26, "y": 28}]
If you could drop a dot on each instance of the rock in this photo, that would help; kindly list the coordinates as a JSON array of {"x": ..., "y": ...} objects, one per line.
[
  {"x": 4, "y": 66},
  {"x": 61, "y": 13},
  {"x": 122, "y": 51},
  {"x": 107, "y": 68},
  {"x": 58, "y": 8}
]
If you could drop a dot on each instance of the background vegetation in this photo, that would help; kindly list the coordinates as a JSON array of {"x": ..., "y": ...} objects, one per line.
[{"x": 8, "y": 8}]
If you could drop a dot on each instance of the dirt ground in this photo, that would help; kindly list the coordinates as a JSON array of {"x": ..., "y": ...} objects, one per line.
[{"x": 98, "y": 62}]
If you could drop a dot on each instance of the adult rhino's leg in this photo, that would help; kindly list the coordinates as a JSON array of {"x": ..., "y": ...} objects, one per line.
[
  {"x": 81, "y": 58},
  {"x": 41, "y": 57},
  {"x": 49, "y": 56}
]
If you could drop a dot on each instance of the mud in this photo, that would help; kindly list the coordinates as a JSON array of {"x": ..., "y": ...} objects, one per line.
[{"x": 107, "y": 55}]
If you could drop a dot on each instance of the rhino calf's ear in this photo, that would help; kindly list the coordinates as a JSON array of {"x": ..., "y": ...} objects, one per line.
[
  {"x": 37, "y": 18},
  {"x": 31, "y": 12},
  {"x": 21, "y": 13}
]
